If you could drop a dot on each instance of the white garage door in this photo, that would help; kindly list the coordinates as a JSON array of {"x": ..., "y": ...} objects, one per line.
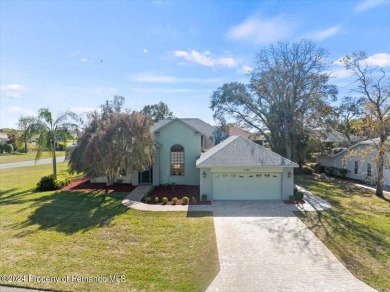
[{"x": 246, "y": 186}]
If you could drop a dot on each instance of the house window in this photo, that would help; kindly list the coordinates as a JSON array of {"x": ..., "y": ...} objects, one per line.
[
  {"x": 356, "y": 170},
  {"x": 177, "y": 160},
  {"x": 369, "y": 169}
]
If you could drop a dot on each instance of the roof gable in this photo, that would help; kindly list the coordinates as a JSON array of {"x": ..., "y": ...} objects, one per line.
[
  {"x": 239, "y": 151},
  {"x": 164, "y": 123}
]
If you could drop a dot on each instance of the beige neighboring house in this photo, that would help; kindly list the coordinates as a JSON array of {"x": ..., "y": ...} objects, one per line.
[
  {"x": 257, "y": 138},
  {"x": 360, "y": 164},
  {"x": 3, "y": 137}
]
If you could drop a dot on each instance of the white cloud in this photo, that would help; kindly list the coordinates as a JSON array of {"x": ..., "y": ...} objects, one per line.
[
  {"x": 324, "y": 34},
  {"x": 151, "y": 78},
  {"x": 146, "y": 51},
  {"x": 369, "y": 4},
  {"x": 205, "y": 59},
  {"x": 262, "y": 31},
  {"x": 245, "y": 69},
  {"x": 14, "y": 90},
  {"x": 170, "y": 90},
  {"x": 20, "y": 111},
  {"x": 380, "y": 59},
  {"x": 83, "y": 60}
]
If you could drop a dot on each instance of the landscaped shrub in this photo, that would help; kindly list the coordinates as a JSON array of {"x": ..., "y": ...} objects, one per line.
[
  {"x": 303, "y": 170},
  {"x": 63, "y": 183},
  {"x": 343, "y": 172},
  {"x": 193, "y": 200},
  {"x": 165, "y": 200},
  {"x": 204, "y": 198},
  {"x": 156, "y": 199},
  {"x": 318, "y": 168},
  {"x": 291, "y": 198},
  {"x": 185, "y": 200},
  {"x": 295, "y": 191},
  {"x": 174, "y": 201},
  {"x": 47, "y": 183},
  {"x": 298, "y": 196},
  {"x": 148, "y": 199}
]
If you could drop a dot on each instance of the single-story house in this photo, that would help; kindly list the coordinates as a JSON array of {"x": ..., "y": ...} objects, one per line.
[
  {"x": 359, "y": 161},
  {"x": 192, "y": 152},
  {"x": 234, "y": 130}
]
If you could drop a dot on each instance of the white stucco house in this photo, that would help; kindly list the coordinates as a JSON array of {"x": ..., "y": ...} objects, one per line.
[
  {"x": 192, "y": 152},
  {"x": 359, "y": 160}
]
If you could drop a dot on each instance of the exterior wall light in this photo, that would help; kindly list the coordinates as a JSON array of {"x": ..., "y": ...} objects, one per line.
[
  {"x": 289, "y": 174},
  {"x": 204, "y": 174}
]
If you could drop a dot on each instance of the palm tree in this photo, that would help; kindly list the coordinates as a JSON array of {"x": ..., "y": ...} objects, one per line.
[
  {"x": 50, "y": 131},
  {"x": 24, "y": 125}
]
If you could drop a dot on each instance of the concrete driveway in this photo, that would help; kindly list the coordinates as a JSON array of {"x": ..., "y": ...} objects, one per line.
[{"x": 263, "y": 246}]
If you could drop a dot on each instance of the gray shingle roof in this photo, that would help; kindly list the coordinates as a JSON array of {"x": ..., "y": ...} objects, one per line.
[{"x": 238, "y": 151}]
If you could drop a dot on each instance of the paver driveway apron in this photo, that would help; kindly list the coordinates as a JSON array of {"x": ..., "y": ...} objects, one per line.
[{"x": 263, "y": 246}]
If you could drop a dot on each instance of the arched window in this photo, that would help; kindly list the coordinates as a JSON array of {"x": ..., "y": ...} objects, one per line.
[{"x": 177, "y": 160}]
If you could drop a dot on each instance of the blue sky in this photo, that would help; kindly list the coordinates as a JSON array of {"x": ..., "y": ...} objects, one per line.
[{"x": 74, "y": 55}]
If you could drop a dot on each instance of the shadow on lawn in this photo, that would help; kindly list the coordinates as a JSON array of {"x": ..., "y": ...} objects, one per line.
[
  {"x": 71, "y": 212},
  {"x": 342, "y": 220}
]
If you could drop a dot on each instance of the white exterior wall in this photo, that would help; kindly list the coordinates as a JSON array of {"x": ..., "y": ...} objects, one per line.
[{"x": 337, "y": 161}]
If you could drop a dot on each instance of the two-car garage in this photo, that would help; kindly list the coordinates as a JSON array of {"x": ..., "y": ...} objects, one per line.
[
  {"x": 239, "y": 169},
  {"x": 246, "y": 186}
]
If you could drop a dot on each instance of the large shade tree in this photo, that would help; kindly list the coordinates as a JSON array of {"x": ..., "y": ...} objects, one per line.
[
  {"x": 373, "y": 85},
  {"x": 51, "y": 130},
  {"x": 157, "y": 112},
  {"x": 288, "y": 93},
  {"x": 113, "y": 140}
]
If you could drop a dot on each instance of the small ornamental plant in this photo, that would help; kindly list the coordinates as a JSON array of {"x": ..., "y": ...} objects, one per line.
[
  {"x": 204, "y": 198},
  {"x": 174, "y": 201},
  {"x": 148, "y": 200},
  {"x": 193, "y": 200},
  {"x": 185, "y": 200},
  {"x": 165, "y": 200},
  {"x": 156, "y": 199}
]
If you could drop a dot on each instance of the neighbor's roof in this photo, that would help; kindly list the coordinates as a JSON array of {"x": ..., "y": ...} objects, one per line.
[
  {"x": 237, "y": 131},
  {"x": 239, "y": 151}
]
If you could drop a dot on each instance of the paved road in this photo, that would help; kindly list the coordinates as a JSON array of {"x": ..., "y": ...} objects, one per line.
[
  {"x": 30, "y": 163},
  {"x": 262, "y": 246}
]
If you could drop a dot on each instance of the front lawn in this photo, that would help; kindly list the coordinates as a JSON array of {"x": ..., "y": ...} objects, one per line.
[
  {"x": 89, "y": 234},
  {"x": 356, "y": 229},
  {"x": 17, "y": 157}
]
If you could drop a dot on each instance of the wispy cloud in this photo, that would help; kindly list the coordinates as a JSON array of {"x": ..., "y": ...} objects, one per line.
[
  {"x": 369, "y": 4},
  {"x": 324, "y": 34},
  {"x": 380, "y": 59},
  {"x": 151, "y": 78},
  {"x": 262, "y": 31},
  {"x": 205, "y": 59},
  {"x": 83, "y": 60},
  {"x": 14, "y": 90},
  {"x": 170, "y": 90},
  {"x": 245, "y": 69},
  {"x": 146, "y": 51}
]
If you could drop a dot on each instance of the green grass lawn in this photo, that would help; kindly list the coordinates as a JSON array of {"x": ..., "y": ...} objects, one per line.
[
  {"x": 92, "y": 234},
  {"x": 17, "y": 157},
  {"x": 356, "y": 229}
]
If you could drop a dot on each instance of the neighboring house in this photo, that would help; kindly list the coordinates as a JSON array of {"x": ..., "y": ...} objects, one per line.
[
  {"x": 3, "y": 138},
  {"x": 333, "y": 139},
  {"x": 237, "y": 131},
  {"x": 359, "y": 160},
  {"x": 192, "y": 152}
]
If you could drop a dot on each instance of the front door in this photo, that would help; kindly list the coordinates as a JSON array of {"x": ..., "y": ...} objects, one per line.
[{"x": 145, "y": 177}]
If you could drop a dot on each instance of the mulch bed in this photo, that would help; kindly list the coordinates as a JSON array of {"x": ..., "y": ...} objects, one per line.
[
  {"x": 178, "y": 191},
  {"x": 84, "y": 184}
]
